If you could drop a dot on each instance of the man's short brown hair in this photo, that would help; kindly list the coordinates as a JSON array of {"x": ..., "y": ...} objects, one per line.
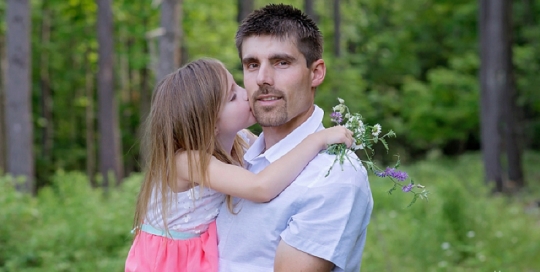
[{"x": 283, "y": 22}]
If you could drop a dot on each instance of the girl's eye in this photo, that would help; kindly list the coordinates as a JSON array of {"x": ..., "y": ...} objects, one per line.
[{"x": 233, "y": 97}]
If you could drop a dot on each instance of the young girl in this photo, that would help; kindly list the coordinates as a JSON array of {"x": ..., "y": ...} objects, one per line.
[{"x": 196, "y": 144}]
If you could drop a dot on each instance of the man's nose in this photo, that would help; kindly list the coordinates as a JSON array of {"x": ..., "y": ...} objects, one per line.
[{"x": 265, "y": 75}]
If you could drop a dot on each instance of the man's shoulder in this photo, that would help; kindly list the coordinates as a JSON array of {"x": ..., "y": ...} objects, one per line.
[
  {"x": 326, "y": 169},
  {"x": 350, "y": 163}
]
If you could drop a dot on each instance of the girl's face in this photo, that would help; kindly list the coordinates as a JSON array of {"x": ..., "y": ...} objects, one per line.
[{"x": 235, "y": 113}]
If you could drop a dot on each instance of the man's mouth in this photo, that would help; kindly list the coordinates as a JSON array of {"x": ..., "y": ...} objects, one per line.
[
  {"x": 268, "y": 97},
  {"x": 271, "y": 98}
]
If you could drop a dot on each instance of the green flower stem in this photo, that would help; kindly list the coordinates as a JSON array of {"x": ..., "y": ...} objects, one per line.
[{"x": 365, "y": 137}]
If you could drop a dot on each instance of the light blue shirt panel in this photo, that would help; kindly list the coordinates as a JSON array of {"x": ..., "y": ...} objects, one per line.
[
  {"x": 333, "y": 218},
  {"x": 312, "y": 214}
]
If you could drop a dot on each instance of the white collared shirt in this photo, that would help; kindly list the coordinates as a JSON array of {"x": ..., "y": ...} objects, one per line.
[{"x": 324, "y": 216}]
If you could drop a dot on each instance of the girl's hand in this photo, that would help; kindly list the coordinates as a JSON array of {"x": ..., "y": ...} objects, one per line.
[{"x": 333, "y": 135}]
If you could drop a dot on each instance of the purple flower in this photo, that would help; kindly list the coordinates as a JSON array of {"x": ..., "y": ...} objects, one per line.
[
  {"x": 399, "y": 175},
  {"x": 407, "y": 188},
  {"x": 336, "y": 117},
  {"x": 380, "y": 174}
]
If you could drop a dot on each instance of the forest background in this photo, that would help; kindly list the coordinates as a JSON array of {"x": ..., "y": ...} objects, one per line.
[{"x": 419, "y": 67}]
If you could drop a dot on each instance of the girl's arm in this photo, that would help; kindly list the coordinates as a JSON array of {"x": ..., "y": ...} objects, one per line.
[{"x": 267, "y": 184}]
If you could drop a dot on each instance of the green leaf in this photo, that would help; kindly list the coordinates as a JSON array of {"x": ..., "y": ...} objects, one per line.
[{"x": 383, "y": 141}]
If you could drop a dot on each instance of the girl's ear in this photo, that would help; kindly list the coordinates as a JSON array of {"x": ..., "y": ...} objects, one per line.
[{"x": 318, "y": 72}]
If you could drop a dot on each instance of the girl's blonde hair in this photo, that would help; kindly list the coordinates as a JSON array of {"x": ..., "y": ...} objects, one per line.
[{"x": 183, "y": 117}]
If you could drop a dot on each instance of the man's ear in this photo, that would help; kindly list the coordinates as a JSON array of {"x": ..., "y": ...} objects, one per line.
[{"x": 318, "y": 72}]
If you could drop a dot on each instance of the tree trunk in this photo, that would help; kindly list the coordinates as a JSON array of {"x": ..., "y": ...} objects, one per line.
[
  {"x": 46, "y": 94},
  {"x": 18, "y": 94},
  {"x": 245, "y": 7},
  {"x": 529, "y": 12},
  {"x": 2, "y": 103},
  {"x": 145, "y": 99},
  {"x": 309, "y": 9},
  {"x": 181, "y": 50},
  {"x": 512, "y": 123},
  {"x": 146, "y": 90},
  {"x": 494, "y": 82},
  {"x": 169, "y": 41},
  {"x": 122, "y": 69},
  {"x": 72, "y": 120},
  {"x": 337, "y": 44},
  {"x": 125, "y": 101},
  {"x": 337, "y": 29},
  {"x": 90, "y": 120},
  {"x": 109, "y": 139},
  {"x": 128, "y": 101}
]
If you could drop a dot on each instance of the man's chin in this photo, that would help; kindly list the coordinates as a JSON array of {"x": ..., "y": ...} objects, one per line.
[
  {"x": 271, "y": 121},
  {"x": 270, "y": 116}
]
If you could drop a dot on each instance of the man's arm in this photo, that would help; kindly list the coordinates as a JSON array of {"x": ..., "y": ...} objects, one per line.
[
  {"x": 330, "y": 219},
  {"x": 289, "y": 258}
]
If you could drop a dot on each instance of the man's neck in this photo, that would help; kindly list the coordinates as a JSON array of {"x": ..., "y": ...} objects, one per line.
[{"x": 273, "y": 135}]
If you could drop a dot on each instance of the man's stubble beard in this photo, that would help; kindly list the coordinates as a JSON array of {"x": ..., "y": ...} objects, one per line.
[{"x": 270, "y": 116}]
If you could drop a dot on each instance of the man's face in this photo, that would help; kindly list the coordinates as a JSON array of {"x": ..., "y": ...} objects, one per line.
[{"x": 278, "y": 83}]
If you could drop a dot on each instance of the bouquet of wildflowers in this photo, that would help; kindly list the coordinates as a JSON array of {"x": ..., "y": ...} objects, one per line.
[{"x": 365, "y": 137}]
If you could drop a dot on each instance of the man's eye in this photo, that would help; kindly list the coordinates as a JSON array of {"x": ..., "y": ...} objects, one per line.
[{"x": 252, "y": 65}]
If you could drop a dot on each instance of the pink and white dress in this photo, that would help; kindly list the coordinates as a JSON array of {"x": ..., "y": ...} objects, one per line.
[{"x": 190, "y": 244}]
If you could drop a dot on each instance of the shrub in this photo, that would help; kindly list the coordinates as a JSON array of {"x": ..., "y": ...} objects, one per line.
[
  {"x": 70, "y": 226},
  {"x": 461, "y": 228}
]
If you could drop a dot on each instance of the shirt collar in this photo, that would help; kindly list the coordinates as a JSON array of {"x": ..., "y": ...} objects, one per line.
[{"x": 311, "y": 125}]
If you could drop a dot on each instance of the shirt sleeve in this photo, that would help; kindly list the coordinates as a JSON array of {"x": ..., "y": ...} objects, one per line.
[{"x": 332, "y": 219}]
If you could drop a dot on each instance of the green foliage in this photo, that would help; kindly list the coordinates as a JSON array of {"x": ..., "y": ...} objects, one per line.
[
  {"x": 18, "y": 215},
  {"x": 445, "y": 102},
  {"x": 461, "y": 228},
  {"x": 209, "y": 28},
  {"x": 67, "y": 227},
  {"x": 72, "y": 227},
  {"x": 410, "y": 65}
]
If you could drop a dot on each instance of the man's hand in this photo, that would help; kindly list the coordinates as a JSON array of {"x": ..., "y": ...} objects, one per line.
[{"x": 289, "y": 258}]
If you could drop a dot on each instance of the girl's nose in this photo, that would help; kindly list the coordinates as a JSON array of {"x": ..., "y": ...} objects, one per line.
[{"x": 243, "y": 94}]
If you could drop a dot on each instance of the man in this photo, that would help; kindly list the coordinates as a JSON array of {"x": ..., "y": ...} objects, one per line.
[{"x": 318, "y": 223}]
